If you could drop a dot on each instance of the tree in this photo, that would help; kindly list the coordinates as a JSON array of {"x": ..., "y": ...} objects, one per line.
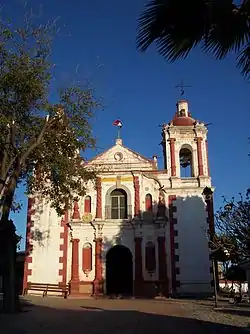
[
  {"x": 232, "y": 224},
  {"x": 177, "y": 26},
  {"x": 40, "y": 142}
]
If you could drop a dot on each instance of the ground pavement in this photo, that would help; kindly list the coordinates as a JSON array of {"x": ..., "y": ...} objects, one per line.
[{"x": 77, "y": 316}]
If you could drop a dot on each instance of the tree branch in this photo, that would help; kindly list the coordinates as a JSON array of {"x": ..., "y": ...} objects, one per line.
[
  {"x": 161, "y": 187},
  {"x": 36, "y": 143}
]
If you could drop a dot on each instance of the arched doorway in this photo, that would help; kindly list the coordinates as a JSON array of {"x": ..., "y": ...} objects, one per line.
[{"x": 119, "y": 271}]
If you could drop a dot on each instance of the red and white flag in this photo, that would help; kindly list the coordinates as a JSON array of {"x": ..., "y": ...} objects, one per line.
[{"x": 117, "y": 123}]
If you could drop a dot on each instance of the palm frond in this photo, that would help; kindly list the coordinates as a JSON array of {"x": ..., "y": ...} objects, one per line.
[
  {"x": 243, "y": 61},
  {"x": 151, "y": 23},
  {"x": 229, "y": 29},
  {"x": 177, "y": 26},
  {"x": 166, "y": 22}
]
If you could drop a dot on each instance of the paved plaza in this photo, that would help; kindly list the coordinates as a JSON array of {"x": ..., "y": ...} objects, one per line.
[{"x": 89, "y": 316}]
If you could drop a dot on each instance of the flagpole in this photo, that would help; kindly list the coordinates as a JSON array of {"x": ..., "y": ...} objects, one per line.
[{"x": 119, "y": 132}]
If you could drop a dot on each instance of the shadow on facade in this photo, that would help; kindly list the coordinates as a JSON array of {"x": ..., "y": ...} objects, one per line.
[
  {"x": 159, "y": 252},
  {"x": 107, "y": 317},
  {"x": 169, "y": 249}
]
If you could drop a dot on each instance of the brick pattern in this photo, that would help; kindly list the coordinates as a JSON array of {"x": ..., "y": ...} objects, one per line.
[
  {"x": 174, "y": 245},
  {"x": 64, "y": 249},
  {"x": 28, "y": 248}
]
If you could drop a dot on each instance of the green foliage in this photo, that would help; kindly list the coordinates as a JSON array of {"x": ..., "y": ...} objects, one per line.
[
  {"x": 232, "y": 223},
  {"x": 177, "y": 26},
  {"x": 40, "y": 142}
]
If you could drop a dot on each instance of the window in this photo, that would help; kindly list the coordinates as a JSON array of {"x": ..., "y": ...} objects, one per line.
[
  {"x": 87, "y": 204},
  {"x": 150, "y": 257},
  {"x": 148, "y": 203},
  {"x": 186, "y": 163},
  {"x": 118, "y": 204},
  {"x": 161, "y": 210}
]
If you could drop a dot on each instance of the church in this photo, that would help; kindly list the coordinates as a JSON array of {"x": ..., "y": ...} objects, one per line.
[{"x": 139, "y": 230}]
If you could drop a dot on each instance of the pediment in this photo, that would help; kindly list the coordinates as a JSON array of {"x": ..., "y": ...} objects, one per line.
[{"x": 120, "y": 157}]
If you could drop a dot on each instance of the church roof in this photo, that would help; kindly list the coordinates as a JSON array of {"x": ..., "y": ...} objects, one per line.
[
  {"x": 183, "y": 121},
  {"x": 120, "y": 157}
]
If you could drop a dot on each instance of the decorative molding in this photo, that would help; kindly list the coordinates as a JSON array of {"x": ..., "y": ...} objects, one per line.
[
  {"x": 199, "y": 156},
  {"x": 172, "y": 156},
  {"x": 98, "y": 198},
  {"x": 137, "y": 196},
  {"x": 208, "y": 169}
]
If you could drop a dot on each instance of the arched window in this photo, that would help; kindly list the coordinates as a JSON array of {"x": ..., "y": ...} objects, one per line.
[
  {"x": 186, "y": 163},
  {"x": 87, "y": 258},
  {"x": 161, "y": 208},
  {"x": 119, "y": 204},
  {"x": 148, "y": 203},
  {"x": 87, "y": 204},
  {"x": 150, "y": 262}
]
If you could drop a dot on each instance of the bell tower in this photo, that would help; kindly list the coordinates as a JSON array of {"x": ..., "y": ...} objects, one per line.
[{"x": 184, "y": 141}]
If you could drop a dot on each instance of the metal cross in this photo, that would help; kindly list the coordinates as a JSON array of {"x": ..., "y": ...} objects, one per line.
[{"x": 182, "y": 86}]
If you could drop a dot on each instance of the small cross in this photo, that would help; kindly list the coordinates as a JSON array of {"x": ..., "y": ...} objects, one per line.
[{"x": 182, "y": 86}]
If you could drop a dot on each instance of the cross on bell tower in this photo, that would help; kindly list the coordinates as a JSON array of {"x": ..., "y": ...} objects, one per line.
[{"x": 182, "y": 87}]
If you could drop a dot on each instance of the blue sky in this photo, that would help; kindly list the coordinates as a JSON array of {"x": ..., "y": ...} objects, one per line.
[{"x": 98, "y": 38}]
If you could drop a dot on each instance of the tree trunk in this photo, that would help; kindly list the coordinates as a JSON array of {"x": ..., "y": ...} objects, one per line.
[
  {"x": 240, "y": 288},
  {"x": 9, "y": 281},
  {"x": 10, "y": 295}
]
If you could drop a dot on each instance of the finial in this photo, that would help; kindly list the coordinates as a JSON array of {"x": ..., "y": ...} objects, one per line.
[
  {"x": 118, "y": 141},
  {"x": 76, "y": 213},
  {"x": 182, "y": 86}
]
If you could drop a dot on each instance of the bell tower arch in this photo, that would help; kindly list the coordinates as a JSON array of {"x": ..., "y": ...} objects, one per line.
[{"x": 184, "y": 141}]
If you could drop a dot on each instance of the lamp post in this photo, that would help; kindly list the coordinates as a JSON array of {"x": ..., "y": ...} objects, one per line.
[{"x": 215, "y": 282}]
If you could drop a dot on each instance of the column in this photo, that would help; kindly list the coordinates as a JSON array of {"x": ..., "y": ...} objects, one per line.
[
  {"x": 172, "y": 156},
  {"x": 208, "y": 171},
  {"x": 162, "y": 265},
  {"x": 199, "y": 153},
  {"x": 98, "y": 285},
  {"x": 74, "y": 282},
  {"x": 137, "y": 196},
  {"x": 99, "y": 198},
  {"x": 138, "y": 284}
]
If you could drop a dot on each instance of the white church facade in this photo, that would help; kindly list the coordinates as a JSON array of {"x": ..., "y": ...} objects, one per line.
[{"x": 139, "y": 230}]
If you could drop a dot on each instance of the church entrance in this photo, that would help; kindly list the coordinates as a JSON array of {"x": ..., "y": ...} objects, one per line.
[{"x": 119, "y": 271}]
